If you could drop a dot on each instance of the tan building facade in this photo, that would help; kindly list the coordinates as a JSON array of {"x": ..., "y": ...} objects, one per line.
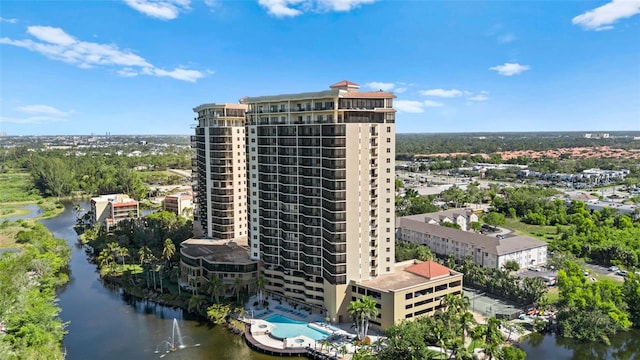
[
  {"x": 321, "y": 191},
  {"x": 179, "y": 204},
  {"x": 414, "y": 289},
  {"x": 113, "y": 208},
  {"x": 219, "y": 171}
]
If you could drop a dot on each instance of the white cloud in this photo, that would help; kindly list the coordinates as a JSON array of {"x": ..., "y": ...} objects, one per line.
[
  {"x": 160, "y": 9},
  {"x": 51, "y": 35},
  {"x": 431, "y": 103},
  {"x": 42, "y": 110},
  {"x": 506, "y": 38},
  {"x": 387, "y": 86},
  {"x": 602, "y": 18},
  {"x": 414, "y": 106},
  {"x": 482, "y": 96},
  {"x": 376, "y": 85},
  {"x": 56, "y": 44},
  {"x": 410, "y": 106},
  {"x": 280, "y": 8},
  {"x": 508, "y": 69},
  {"x": 292, "y": 8},
  {"x": 212, "y": 4},
  {"x": 38, "y": 114},
  {"x": 343, "y": 5},
  {"x": 11, "y": 21},
  {"x": 442, "y": 93}
]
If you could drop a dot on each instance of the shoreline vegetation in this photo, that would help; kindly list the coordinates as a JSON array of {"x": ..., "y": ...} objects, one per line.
[{"x": 30, "y": 325}]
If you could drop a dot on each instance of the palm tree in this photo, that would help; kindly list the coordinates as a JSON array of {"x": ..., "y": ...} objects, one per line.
[
  {"x": 214, "y": 286},
  {"x": 196, "y": 302},
  {"x": 104, "y": 258},
  {"x": 259, "y": 284},
  {"x": 440, "y": 333},
  {"x": 168, "y": 250},
  {"x": 361, "y": 311},
  {"x": 123, "y": 252},
  {"x": 491, "y": 335},
  {"x": 467, "y": 321},
  {"x": 237, "y": 288}
]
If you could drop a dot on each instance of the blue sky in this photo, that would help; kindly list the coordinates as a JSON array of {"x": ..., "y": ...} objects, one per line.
[{"x": 140, "y": 66}]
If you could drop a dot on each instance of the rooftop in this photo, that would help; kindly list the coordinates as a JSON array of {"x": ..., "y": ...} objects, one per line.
[
  {"x": 441, "y": 214},
  {"x": 222, "y": 251},
  {"x": 408, "y": 274},
  {"x": 490, "y": 244},
  {"x": 343, "y": 83}
]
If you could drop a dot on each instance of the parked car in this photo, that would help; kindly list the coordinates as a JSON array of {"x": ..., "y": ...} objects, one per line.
[
  {"x": 613, "y": 268},
  {"x": 622, "y": 272}
]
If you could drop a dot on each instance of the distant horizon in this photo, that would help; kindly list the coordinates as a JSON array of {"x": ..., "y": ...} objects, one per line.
[
  {"x": 141, "y": 66},
  {"x": 403, "y": 133}
]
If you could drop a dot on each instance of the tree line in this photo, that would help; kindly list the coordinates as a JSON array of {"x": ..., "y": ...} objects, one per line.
[{"x": 408, "y": 145}]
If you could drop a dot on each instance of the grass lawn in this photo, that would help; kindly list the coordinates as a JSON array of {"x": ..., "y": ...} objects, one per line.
[
  {"x": 545, "y": 233},
  {"x": 553, "y": 295}
]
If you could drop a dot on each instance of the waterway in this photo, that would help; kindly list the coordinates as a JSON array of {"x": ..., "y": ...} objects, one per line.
[
  {"x": 624, "y": 346},
  {"x": 105, "y": 324}
]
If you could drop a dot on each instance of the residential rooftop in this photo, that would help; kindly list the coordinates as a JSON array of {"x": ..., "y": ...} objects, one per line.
[
  {"x": 220, "y": 251},
  {"x": 408, "y": 274}
]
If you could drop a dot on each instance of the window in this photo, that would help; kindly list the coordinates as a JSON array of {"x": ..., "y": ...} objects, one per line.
[
  {"x": 388, "y": 249},
  {"x": 388, "y": 129},
  {"x": 388, "y": 150},
  {"x": 388, "y": 140},
  {"x": 253, "y": 130},
  {"x": 388, "y": 161}
]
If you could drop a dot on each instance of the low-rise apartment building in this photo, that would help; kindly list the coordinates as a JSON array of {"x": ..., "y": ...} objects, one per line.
[
  {"x": 179, "y": 204},
  {"x": 487, "y": 251},
  {"x": 413, "y": 290},
  {"x": 110, "y": 209},
  {"x": 203, "y": 259}
]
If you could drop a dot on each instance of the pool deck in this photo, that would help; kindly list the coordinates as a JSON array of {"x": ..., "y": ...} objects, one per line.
[{"x": 257, "y": 333}]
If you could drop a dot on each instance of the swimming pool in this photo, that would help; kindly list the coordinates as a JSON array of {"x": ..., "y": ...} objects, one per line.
[{"x": 285, "y": 327}]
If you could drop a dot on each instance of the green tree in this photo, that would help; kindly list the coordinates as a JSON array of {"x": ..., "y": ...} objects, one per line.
[
  {"x": 361, "y": 311},
  {"x": 214, "y": 288},
  {"x": 511, "y": 265},
  {"x": 493, "y": 218},
  {"x": 168, "y": 250}
]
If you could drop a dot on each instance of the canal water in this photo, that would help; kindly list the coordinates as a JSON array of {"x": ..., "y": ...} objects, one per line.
[{"x": 105, "y": 324}]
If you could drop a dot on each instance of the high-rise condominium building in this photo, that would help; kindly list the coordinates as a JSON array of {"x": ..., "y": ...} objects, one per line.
[
  {"x": 219, "y": 171},
  {"x": 320, "y": 190}
]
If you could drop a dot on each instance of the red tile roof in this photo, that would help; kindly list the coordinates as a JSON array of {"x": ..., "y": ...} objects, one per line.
[
  {"x": 429, "y": 269},
  {"x": 121, "y": 204},
  {"x": 343, "y": 83}
]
